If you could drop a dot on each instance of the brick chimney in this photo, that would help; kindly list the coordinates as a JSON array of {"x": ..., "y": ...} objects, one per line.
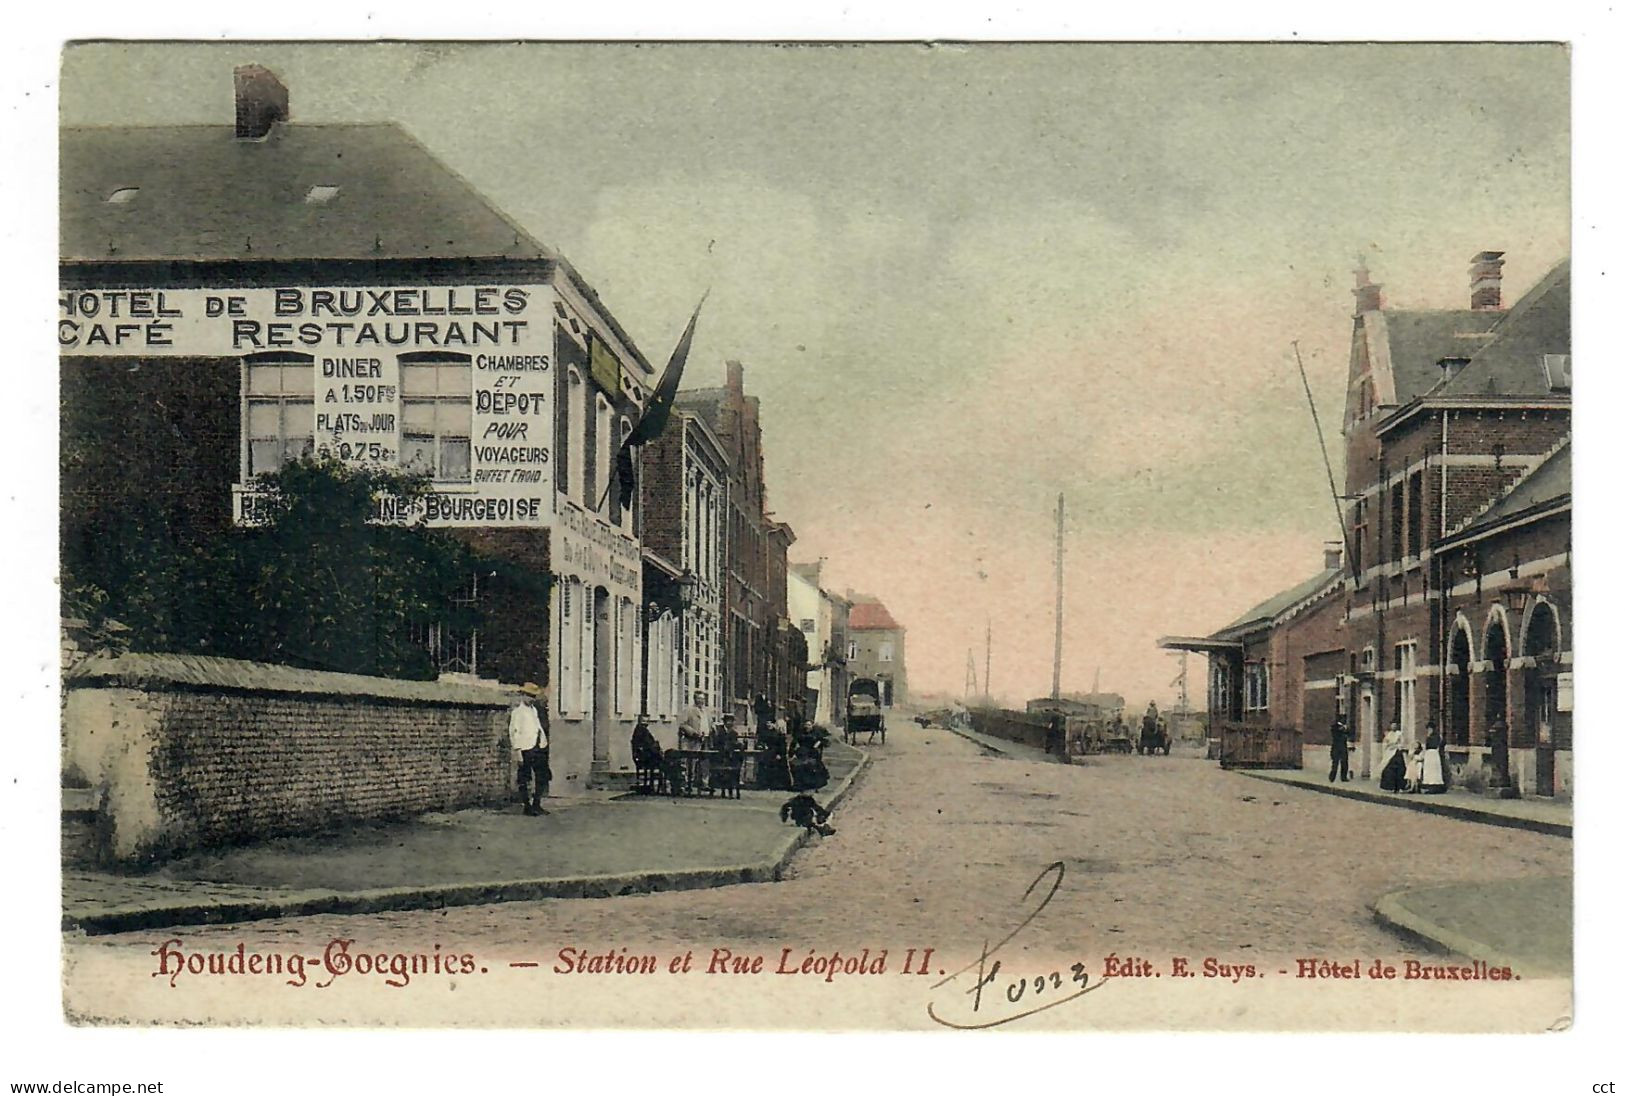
[
  {"x": 736, "y": 377},
  {"x": 1367, "y": 294},
  {"x": 262, "y": 101},
  {"x": 1332, "y": 552},
  {"x": 1485, "y": 284}
]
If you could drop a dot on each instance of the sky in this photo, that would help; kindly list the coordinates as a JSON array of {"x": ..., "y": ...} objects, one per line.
[{"x": 964, "y": 279}]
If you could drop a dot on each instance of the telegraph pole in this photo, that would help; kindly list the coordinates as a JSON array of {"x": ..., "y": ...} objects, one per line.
[
  {"x": 1060, "y": 556},
  {"x": 987, "y": 665}
]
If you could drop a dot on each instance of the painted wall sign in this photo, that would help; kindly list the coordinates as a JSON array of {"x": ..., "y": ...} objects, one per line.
[{"x": 453, "y": 380}]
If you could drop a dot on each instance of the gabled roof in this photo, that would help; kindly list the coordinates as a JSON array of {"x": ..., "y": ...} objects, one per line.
[
  {"x": 1266, "y": 611},
  {"x": 872, "y": 616},
  {"x": 204, "y": 194},
  {"x": 1417, "y": 341},
  {"x": 1547, "y": 483},
  {"x": 1513, "y": 363}
]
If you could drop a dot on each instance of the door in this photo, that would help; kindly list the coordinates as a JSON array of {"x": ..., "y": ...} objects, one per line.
[
  {"x": 1367, "y": 730},
  {"x": 1545, "y": 741},
  {"x": 603, "y": 672}
]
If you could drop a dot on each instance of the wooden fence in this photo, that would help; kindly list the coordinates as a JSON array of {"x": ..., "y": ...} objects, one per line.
[{"x": 1245, "y": 746}]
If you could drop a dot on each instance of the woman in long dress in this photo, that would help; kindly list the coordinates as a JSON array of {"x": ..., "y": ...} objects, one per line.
[
  {"x": 1393, "y": 759},
  {"x": 1433, "y": 762}
]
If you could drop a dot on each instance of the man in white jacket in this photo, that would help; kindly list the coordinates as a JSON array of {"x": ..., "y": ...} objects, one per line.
[{"x": 527, "y": 734}]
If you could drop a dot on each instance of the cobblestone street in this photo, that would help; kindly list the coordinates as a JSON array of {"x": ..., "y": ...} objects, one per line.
[{"x": 939, "y": 840}]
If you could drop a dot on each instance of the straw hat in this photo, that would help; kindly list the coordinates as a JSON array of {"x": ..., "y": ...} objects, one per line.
[{"x": 530, "y": 688}]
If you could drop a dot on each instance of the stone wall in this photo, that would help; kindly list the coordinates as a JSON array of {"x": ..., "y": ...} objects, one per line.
[
  {"x": 184, "y": 752},
  {"x": 1029, "y": 730}
]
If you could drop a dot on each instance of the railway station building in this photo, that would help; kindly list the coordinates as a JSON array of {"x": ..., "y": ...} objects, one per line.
[{"x": 1453, "y": 602}]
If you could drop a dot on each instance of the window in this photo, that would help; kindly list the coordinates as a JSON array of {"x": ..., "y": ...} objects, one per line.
[
  {"x": 852, "y": 651},
  {"x": 1342, "y": 698},
  {"x": 1396, "y": 521},
  {"x": 602, "y": 458},
  {"x": 1357, "y": 538},
  {"x": 809, "y": 626},
  {"x": 436, "y": 415},
  {"x": 1413, "y": 517},
  {"x": 570, "y": 615},
  {"x": 1405, "y": 688},
  {"x": 280, "y": 415},
  {"x": 453, "y": 650},
  {"x": 625, "y": 656},
  {"x": 1257, "y": 681},
  {"x": 622, "y": 500},
  {"x": 885, "y": 654},
  {"x": 578, "y": 434}
]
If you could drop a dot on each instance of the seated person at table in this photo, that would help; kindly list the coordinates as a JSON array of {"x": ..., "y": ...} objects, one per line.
[
  {"x": 646, "y": 755},
  {"x": 807, "y": 768},
  {"x": 729, "y": 759},
  {"x": 772, "y": 759},
  {"x": 676, "y": 774},
  {"x": 804, "y": 811}
]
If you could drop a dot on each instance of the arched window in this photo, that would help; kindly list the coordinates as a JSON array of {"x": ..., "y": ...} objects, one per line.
[
  {"x": 624, "y": 494},
  {"x": 603, "y": 450},
  {"x": 578, "y": 434},
  {"x": 1542, "y": 633}
]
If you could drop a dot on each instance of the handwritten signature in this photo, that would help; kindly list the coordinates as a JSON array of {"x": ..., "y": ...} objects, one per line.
[{"x": 987, "y": 997}]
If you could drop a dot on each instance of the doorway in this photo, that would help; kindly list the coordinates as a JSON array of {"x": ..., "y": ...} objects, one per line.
[
  {"x": 1459, "y": 711},
  {"x": 1497, "y": 653},
  {"x": 603, "y": 675},
  {"x": 1368, "y": 728},
  {"x": 1540, "y": 704}
]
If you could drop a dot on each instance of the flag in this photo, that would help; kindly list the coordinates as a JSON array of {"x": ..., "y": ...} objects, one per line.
[
  {"x": 654, "y": 418},
  {"x": 658, "y": 411}
]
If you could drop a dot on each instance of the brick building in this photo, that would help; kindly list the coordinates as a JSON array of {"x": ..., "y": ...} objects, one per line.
[
  {"x": 759, "y": 643},
  {"x": 875, "y": 648},
  {"x": 685, "y": 508},
  {"x": 235, "y": 296},
  {"x": 1454, "y": 602}
]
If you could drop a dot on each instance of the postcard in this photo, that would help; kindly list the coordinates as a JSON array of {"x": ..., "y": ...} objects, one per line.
[{"x": 789, "y": 536}]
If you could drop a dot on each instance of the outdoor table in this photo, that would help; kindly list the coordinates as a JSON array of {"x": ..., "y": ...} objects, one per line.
[{"x": 697, "y": 769}]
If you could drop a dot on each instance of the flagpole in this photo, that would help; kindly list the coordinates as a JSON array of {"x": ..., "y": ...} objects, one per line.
[
  {"x": 1331, "y": 481},
  {"x": 658, "y": 409}
]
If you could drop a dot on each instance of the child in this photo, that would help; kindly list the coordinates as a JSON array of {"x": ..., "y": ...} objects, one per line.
[
  {"x": 1414, "y": 769},
  {"x": 804, "y": 811}
]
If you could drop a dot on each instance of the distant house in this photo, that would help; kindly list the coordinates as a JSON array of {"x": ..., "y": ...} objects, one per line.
[{"x": 875, "y": 648}]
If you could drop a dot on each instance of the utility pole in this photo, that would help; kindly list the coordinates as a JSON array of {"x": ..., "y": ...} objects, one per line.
[
  {"x": 1181, "y": 681},
  {"x": 971, "y": 691},
  {"x": 987, "y": 665},
  {"x": 1060, "y": 556}
]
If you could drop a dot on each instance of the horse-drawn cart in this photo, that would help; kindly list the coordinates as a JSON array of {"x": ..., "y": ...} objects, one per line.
[{"x": 864, "y": 714}]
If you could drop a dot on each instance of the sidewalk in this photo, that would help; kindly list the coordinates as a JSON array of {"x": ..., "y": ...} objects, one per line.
[
  {"x": 583, "y": 848},
  {"x": 1525, "y": 924},
  {"x": 1539, "y": 815}
]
